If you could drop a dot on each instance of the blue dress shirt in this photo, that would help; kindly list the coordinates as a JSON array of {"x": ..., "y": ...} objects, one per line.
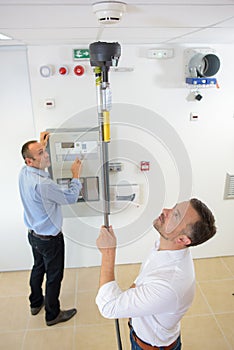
[{"x": 42, "y": 199}]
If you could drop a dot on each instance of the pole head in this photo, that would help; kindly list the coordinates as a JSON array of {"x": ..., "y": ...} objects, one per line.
[{"x": 103, "y": 54}]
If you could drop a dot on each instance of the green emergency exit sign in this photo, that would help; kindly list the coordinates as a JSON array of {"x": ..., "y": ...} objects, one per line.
[{"x": 80, "y": 54}]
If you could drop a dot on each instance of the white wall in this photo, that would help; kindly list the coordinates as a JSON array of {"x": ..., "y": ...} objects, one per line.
[
  {"x": 17, "y": 124},
  {"x": 155, "y": 90}
]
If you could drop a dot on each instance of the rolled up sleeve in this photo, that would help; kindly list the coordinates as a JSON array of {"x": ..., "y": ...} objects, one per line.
[
  {"x": 106, "y": 298},
  {"x": 144, "y": 300}
]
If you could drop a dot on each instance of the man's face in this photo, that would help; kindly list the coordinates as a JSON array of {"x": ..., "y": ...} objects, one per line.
[
  {"x": 40, "y": 158},
  {"x": 173, "y": 222}
]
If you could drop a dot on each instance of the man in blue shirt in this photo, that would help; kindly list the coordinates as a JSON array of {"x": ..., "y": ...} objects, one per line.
[{"x": 42, "y": 199}]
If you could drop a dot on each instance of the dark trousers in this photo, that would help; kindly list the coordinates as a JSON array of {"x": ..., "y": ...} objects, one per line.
[{"x": 48, "y": 259}]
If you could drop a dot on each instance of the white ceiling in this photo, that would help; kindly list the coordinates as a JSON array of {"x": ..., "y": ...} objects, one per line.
[{"x": 46, "y": 22}]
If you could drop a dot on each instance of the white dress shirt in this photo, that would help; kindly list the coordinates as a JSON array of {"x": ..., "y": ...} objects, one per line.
[{"x": 164, "y": 291}]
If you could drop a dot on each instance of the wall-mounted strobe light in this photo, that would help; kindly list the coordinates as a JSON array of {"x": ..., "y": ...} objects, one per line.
[
  {"x": 109, "y": 12},
  {"x": 160, "y": 53},
  {"x": 201, "y": 66}
]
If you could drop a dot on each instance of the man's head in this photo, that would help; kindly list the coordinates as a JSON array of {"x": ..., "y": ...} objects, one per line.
[
  {"x": 35, "y": 155},
  {"x": 204, "y": 228},
  {"x": 192, "y": 222}
]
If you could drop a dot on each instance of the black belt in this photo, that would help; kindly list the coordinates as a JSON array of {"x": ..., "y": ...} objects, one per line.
[
  {"x": 145, "y": 346},
  {"x": 44, "y": 237}
]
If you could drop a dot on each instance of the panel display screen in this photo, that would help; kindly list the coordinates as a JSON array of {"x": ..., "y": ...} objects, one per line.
[{"x": 67, "y": 144}]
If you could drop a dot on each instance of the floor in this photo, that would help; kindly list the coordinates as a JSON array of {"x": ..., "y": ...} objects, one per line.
[{"x": 209, "y": 324}]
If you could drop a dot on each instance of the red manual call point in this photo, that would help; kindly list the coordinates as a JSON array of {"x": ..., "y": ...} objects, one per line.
[
  {"x": 145, "y": 166},
  {"x": 79, "y": 70}
]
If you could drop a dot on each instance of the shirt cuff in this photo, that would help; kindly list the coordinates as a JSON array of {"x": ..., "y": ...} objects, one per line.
[{"x": 76, "y": 181}]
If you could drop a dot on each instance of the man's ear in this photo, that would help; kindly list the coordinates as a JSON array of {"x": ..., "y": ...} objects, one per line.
[
  {"x": 28, "y": 161},
  {"x": 184, "y": 240}
]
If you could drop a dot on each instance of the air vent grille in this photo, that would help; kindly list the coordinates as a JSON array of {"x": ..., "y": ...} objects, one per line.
[{"x": 229, "y": 187}]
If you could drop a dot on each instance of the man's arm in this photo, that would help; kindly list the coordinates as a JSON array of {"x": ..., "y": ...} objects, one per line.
[
  {"x": 148, "y": 298},
  {"x": 51, "y": 191},
  {"x": 106, "y": 243},
  {"x": 76, "y": 165}
]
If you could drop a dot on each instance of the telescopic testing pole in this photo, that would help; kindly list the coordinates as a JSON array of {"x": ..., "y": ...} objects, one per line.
[{"x": 103, "y": 55}]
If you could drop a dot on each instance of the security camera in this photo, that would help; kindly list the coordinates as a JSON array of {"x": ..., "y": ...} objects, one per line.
[{"x": 109, "y": 12}]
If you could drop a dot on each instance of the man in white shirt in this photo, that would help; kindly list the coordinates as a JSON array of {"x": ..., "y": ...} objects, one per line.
[{"x": 165, "y": 287}]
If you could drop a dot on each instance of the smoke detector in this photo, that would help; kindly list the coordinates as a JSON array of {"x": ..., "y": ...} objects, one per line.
[{"x": 109, "y": 12}]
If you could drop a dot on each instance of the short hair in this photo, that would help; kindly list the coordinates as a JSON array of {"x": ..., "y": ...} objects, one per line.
[
  {"x": 204, "y": 228},
  {"x": 25, "y": 149}
]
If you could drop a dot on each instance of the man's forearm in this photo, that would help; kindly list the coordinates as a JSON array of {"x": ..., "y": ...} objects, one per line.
[{"x": 107, "y": 273}]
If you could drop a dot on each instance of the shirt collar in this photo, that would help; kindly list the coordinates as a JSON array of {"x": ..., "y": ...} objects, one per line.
[
  {"x": 37, "y": 171},
  {"x": 166, "y": 255}
]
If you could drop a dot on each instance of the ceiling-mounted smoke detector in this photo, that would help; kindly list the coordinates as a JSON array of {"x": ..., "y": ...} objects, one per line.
[{"x": 109, "y": 12}]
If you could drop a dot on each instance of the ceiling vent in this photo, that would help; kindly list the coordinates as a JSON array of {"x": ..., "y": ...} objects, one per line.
[
  {"x": 229, "y": 187},
  {"x": 109, "y": 12}
]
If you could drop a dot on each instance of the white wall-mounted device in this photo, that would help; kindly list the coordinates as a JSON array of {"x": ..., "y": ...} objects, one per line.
[
  {"x": 194, "y": 116},
  {"x": 64, "y": 146},
  {"x": 46, "y": 71},
  {"x": 49, "y": 103},
  {"x": 200, "y": 64},
  {"x": 160, "y": 53},
  {"x": 123, "y": 194},
  {"x": 229, "y": 187}
]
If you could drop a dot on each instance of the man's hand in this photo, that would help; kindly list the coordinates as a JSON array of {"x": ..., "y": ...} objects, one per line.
[
  {"x": 44, "y": 136},
  {"x": 106, "y": 239},
  {"x": 106, "y": 243},
  {"x": 76, "y": 168}
]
